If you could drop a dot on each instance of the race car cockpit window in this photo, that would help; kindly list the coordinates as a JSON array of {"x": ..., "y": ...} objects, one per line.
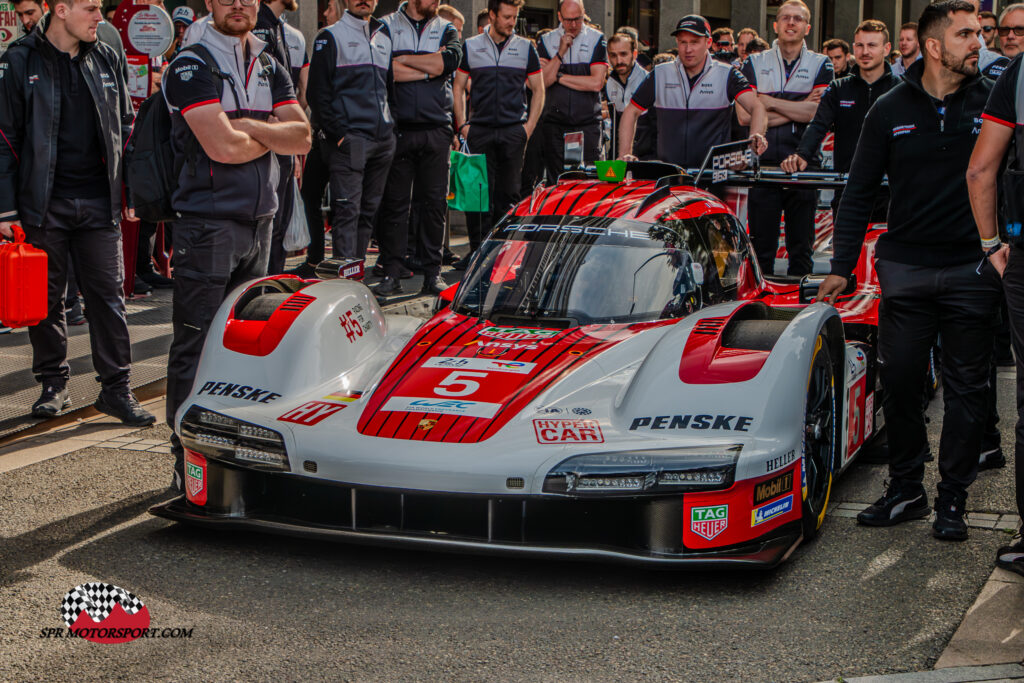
[{"x": 567, "y": 271}]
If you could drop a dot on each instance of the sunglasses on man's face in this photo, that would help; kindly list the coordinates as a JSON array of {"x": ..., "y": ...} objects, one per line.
[
  {"x": 1017, "y": 31},
  {"x": 724, "y": 43},
  {"x": 988, "y": 29}
]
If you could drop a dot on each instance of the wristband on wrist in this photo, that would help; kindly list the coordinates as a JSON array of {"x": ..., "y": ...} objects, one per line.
[{"x": 990, "y": 243}]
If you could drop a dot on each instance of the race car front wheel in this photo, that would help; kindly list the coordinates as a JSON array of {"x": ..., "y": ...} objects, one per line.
[{"x": 819, "y": 438}]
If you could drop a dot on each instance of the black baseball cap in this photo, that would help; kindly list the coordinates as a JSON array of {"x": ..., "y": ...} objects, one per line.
[{"x": 695, "y": 24}]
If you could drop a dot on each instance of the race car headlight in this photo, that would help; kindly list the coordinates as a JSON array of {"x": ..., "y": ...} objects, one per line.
[
  {"x": 227, "y": 438},
  {"x": 668, "y": 470}
]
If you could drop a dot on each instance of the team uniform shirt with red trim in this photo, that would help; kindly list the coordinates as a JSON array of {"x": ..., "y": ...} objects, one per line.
[
  {"x": 297, "y": 55},
  {"x": 208, "y": 188},
  {"x": 565, "y": 106},
  {"x": 499, "y": 73},
  {"x": 1006, "y": 103},
  {"x": 793, "y": 81},
  {"x": 693, "y": 113}
]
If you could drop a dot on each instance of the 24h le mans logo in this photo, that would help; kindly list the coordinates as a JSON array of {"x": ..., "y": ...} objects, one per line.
[{"x": 707, "y": 522}]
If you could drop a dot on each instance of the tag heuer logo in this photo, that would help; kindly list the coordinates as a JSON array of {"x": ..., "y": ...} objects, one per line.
[
  {"x": 707, "y": 522},
  {"x": 193, "y": 479}
]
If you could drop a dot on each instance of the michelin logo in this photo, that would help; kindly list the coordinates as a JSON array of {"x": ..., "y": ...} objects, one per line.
[{"x": 771, "y": 511}]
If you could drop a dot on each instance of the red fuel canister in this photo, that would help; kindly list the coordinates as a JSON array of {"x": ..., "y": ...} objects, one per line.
[{"x": 23, "y": 282}]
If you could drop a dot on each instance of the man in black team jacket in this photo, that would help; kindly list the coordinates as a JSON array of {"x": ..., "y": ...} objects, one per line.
[
  {"x": 922, "y": 133},
  {"x": 65, "y": 115},
  {"x": 844, "y": 105}
]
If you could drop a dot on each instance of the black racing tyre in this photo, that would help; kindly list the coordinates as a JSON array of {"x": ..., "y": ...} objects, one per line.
[
  {"x": 820, "y": 438},
  {"x": 262, "y": 307}
]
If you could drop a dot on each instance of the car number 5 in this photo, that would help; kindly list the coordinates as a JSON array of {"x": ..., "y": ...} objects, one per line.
[{"x": 455, "y": 384}]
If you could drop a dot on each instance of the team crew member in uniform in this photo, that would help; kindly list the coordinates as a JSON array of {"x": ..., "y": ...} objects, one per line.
[
  {"x": 226, "y": 196},
  {"x": 693, "y": 96},
  {"x": 921, "y": 133},
  {"x": 348, "y": 95},
  {"x": 501, "y": 65},
  {"x": 790, "y": 80},
  {"x": 1011, "y": 30},
  {"x": 65, "y": 115},
  {"x": 1002, "y": 127},
  {"x": 626, "y": 76},
  {"x": 270, "y": 29},
  {"x": 574, "y": 61},
  {"x": 298, "y": 57},
  {"x": 427, "y": 51},
  {"x": 838, "y": 50},
  {"x": 844, "y": 105}
]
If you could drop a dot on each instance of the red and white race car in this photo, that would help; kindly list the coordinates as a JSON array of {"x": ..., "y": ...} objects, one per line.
[{"x": 614, "y": 379}]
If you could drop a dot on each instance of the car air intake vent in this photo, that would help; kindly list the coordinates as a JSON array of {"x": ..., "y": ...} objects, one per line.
[
  {"x": 515, "y": 483},
  {"x": 309, "y": 465},
  {"x": 709, "y": 326},
  {"x": 297, "y": 302}
]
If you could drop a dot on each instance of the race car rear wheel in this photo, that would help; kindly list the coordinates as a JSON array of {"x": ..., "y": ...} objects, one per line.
[{"x": 819, "y": 438}]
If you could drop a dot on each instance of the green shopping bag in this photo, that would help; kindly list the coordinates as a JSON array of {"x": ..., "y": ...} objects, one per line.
[{"x": 467, "y": 182}]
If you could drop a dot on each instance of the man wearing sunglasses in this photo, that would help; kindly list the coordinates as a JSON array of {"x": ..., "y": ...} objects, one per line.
[
  {"x": 574, "y": 61},
  {"x": 989, "y": 21},
  {"x": 1011, "y": 30},
  {"x": 233, "y": 110},
  {"x": 723, "y": 47}
]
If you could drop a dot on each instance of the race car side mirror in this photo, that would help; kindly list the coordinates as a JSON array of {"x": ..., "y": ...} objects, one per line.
[
  {"x": 334, "y": 269},
  {"x": 445, "y": 298},
  {"x": 810, "y": 283}
]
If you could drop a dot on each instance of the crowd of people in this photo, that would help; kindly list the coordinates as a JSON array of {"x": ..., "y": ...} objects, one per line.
[{"x": 370, "y": 114}]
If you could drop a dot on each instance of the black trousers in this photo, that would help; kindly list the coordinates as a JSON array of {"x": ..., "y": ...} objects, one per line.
[
  {"x": 211, "y": 258},
  {"x": 315, "y": 177},
  {"x": 504, "y": 148},
  {"x": 1013, "y": 286},
  {"x": 918, "y": 304},
  {"x": 359, "y": 168},
  {"x": 285, "y": 209},
  {"x": 419, "y": 173},
  {"x": 81, "y": 231},
  {"x": 554, "y": 145},
  {"x": 144, "y": 248},
  {"x": 764, "y": 215}
]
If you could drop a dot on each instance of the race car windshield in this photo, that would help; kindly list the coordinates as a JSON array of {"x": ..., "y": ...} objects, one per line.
[{"x": 568, "y": 271}]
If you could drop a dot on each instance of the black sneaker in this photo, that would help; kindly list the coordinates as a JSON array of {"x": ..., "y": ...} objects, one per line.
[
  {"x": 901, "y": 503},
  {"x": 462, "y": 263},
  {"x": 433, "y": 286},
  {"x": 156, "y": 280},
  {"x": 75, "y": 315},
  {"x": 403, "y": 272},
  {"x": 53, "y": 400},
  {"x": 305, "y": 270},
  {"x": 1011, "y": 557},
  {"x": 125, "y": 407},
  {"x": 992, "y": 459},
  {"x": 449, "y": 257},
  {"x": 389, "y": 286},
  {"x": 141, "y": 287},
  {"x": 950, "y": 519}
]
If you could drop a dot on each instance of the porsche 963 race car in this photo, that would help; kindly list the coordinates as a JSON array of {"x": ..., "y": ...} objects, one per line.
[{"x": 614, "y": 379}]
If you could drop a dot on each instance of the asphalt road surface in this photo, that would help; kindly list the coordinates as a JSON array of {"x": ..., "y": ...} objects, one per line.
[{"x": 856, "y": 601}]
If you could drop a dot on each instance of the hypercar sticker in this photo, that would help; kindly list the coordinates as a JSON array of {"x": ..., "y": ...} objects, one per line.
[
  {"x": 567, "y": 431},
  {"x": 771, "y": 511},
  {"x": 311, "y": 413},
  {"x": 709, "y": 521}
]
